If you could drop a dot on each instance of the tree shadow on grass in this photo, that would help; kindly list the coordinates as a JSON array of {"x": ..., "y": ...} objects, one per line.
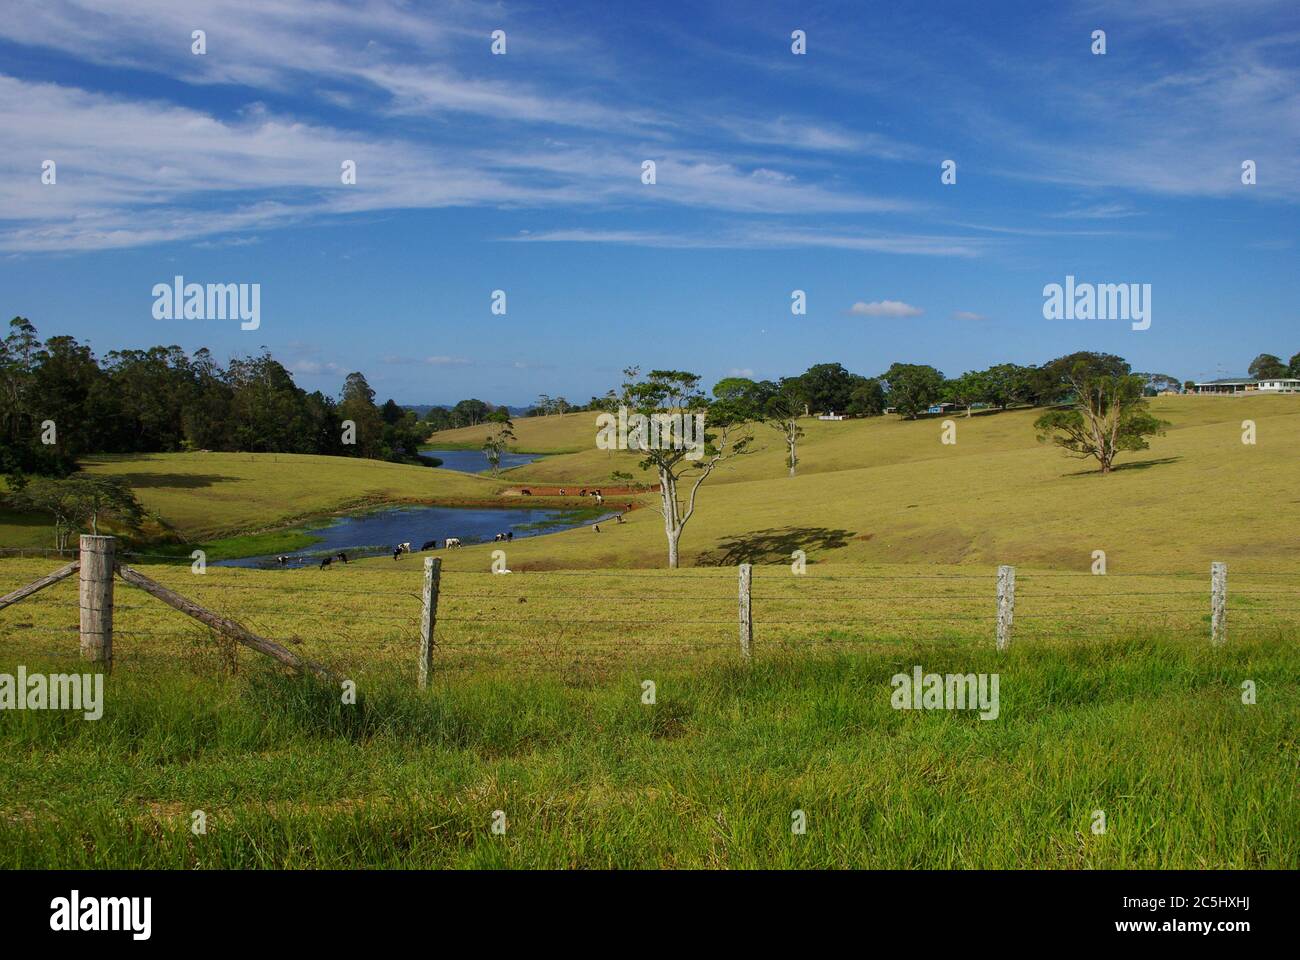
[
  {"x": 773, "y": 546},
  {"x": 186, "y": 481},
  {"x": 1119, "y": 467}
]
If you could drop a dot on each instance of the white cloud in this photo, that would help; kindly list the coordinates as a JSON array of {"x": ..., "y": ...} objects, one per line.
[
  {"x": 740, "y": 372},
  {"x": 763, "y": 237},
  {"x": 968, "y": 315},
  {"x": 885, "y": 308},
  {"x": 314, "y": 367}
]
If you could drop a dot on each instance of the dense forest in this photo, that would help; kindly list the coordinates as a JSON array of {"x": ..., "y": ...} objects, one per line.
[{"x": 163, "y": 399}]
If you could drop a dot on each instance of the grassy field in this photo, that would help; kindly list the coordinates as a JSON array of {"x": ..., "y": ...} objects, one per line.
[
  {"x": 868, "y": 491},
  {"x": 205, "y": 497},
  {"x": 1112, "y": 698}
]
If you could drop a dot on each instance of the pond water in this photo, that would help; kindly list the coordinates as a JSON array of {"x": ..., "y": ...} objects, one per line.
[
  {"x": 475, "y": 461},
  {"x": 376, "y": 533}
]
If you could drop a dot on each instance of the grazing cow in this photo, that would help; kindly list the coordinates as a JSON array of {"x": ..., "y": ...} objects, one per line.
[
  {"x": 405, "y": 547},
  {"x": 599, "y": 499},
  {"x": 582, "y": 492},
  {"x": 325, "y": 563},
  {"x": 397, "y": 552},
  {"x": 596, "y": 527},
  {"x": 429, "y": 545},
  {"x": 510, "y": 534},
  {"x": 526, "y": 493},
  {"x": 619, "y": 518},
  {"x": 343, "y": 557},
  {"x": 282, "y": 559},
  {"x": 453, "y": 542},
  {"x": 561, "y": 491}
]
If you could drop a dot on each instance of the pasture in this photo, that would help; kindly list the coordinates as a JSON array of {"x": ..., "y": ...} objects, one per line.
[
  {"x": 1112, "y": 697},
  {"x": 536, "y": 708}
]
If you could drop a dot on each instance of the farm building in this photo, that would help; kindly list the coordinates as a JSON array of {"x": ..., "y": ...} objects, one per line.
[
  {"x": 1226, "y": 387},
  {"x": 1232, "y": 387},
  {"x": 1280, "y": 385}
]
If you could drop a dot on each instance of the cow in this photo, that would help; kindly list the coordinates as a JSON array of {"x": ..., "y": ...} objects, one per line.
[
  {"x": 325, "y": 562},
  {"x": 526, "y": 493},
  {"x": 282, "y": 559},
  {"x": 510, "y": 534},
  {"x": 429, "y": 545},
  {"x": 397, "y": 552},
  {"x": 561, "y": 491},
  {"x": 596, "y": 527},
  {"x": 405, "y": 547},
  {"x": 582, "y": 492},
  {"x": 618, "y": 518},
  {"x": 343, "y": 557},
  {"x": 599, "y": 499},
  {"x": 453, "y": 542}
]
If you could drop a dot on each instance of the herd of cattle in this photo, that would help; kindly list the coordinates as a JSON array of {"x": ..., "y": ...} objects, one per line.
[{"x": 451, "y": 543}]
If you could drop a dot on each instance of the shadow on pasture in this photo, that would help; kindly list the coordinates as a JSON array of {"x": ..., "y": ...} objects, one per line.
[
  {"x": 185, "y": 481},
  {"x": 1123, "y": 467},
  {"x": 773, "y": 546}
]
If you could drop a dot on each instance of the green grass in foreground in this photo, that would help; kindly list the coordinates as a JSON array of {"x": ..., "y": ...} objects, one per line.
[{"x": 1151, "y": 730}]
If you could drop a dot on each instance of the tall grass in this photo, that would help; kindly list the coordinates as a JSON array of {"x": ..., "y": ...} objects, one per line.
[{"x": 1150, "y": 730}]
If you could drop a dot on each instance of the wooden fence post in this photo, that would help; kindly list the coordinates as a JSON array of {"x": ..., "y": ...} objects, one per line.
[
  {"x": 1218, "y": 603},
  {"x": 97, "y": 556},
  {"x": 1006, "y": 604},
  {"x": 429, "y": 616},
  {"x": 746, "y": 617}
]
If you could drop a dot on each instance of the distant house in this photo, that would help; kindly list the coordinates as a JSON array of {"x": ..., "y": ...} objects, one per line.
[
  {"x": 1280, "y": 385},
  {"x": 831, "y": 416},
  {"x": 941, "y": 408},
  {"x": 1226, "y": 387}
]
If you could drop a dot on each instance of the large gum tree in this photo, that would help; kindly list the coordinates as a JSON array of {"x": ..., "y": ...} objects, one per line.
[{"x": 683, "y": 467}]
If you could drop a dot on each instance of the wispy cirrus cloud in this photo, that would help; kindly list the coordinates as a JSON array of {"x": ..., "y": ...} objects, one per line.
[{"x": 767, "y": 236}]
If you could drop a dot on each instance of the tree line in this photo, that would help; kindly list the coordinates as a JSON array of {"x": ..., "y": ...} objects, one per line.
[{"x": 59, "y": 402}]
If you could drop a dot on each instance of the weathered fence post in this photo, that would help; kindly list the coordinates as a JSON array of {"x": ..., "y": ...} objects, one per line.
[
  {"x": 746, "y": 617},
  {"x": 97, "y": 555},
  {"x": 429, "y": 616},
  {"x": 1006, "y": 604},
  {"x": 1218, "y": 603}
]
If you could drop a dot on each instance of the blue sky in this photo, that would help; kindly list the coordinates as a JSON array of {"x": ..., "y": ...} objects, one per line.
[{"x": 775, "y": 172}]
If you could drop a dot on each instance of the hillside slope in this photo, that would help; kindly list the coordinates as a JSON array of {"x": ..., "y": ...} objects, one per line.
[{"x": 886, "y": 490}]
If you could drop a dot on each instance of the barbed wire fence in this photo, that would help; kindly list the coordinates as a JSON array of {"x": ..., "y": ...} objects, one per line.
[{"x": 585, "y": 618}]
